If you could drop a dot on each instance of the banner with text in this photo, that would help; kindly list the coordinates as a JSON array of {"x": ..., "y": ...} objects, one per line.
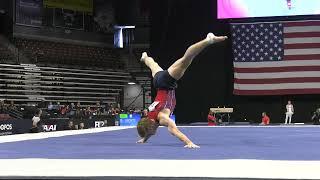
[{"x": 75, "y": 5}]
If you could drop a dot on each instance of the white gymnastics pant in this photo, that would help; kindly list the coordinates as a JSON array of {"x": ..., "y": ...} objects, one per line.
[{"x": 288, "y": 117}]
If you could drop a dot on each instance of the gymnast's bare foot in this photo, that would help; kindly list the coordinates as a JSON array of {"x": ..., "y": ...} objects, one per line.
[
  {"x": 143, "y": 56},
  {"x": 211, "y": 38}
]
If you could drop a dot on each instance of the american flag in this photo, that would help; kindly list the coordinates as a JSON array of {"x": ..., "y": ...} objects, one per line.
[{"x": 276, "y": 58}]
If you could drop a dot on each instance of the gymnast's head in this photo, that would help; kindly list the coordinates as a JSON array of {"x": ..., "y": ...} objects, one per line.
[{"x": 147, "y": 127}]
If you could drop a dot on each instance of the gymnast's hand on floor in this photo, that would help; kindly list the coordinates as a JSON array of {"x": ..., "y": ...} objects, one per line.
[
  {"x": 141, "y": 141},
  {"x": 191, "y": 146},
  {"x": 144, "y": 139}
]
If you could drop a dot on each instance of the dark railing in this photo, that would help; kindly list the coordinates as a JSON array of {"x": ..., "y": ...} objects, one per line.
[{"x": 14, "y": 113}]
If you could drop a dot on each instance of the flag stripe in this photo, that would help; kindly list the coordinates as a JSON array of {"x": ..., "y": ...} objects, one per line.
[
  {"x": 264, "y": 75},
  {"x": 277, "y": 69},
  {"x": 278, "y": 86},
  {"x": 301, "y": 40},
  {"x": 277, "y": 80},
  {"x": 276, "y": 64},
  {"x": 301, "y": 46},
  {"x": 302, "y": 57},
  {"x": 302, "y": 29},
  {"x": 312, "y": 51},
  {"x": 275, "y": 92},
  {"x": 302, "y": 34}
]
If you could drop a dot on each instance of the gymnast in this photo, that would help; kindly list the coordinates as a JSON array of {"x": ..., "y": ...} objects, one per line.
[{"x": 165, "y": 81}]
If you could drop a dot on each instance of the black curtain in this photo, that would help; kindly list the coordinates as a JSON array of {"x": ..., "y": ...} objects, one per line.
[
  {"x": 125, "y": 12},
  {"x": 176, "y": 24},
  {"x": 6, "y": 17}
]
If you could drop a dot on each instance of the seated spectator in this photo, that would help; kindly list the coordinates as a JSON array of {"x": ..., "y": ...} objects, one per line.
[
  {"x": 81, "y": 125},
  {"x": 105, "y": 123},
  {"x": 118, "y": 111},
  {"x": 70, "y": 126},
  {"x": 211, "y": 119},
  {"x": 50, "y": 106},
  {"x": 106, "y": 108},
  {"x": 114, "y": 113},
  {"x": 12, "y": 106},
  {"x": 57, "y": 106},
  {"x": 265, "y": 119},
  {"x": 64, "y": 109},
  {"x": 78, "y": 111},
  {"x": 98, "y": 109},
  {"x": 72, "y": 109},
  {"x": 3, "y": 106},
  {"x": 144, "y": 113},
  {"x": 36, "y": 127},
  {"x": 88, "y": 111}
]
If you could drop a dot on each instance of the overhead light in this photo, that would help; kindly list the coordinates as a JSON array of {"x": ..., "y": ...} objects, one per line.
[{"x": 131, "y": 83}]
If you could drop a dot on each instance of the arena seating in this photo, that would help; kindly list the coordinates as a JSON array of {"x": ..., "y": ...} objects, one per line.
[
  {"x": 26, "y": 83},
  {"x": 5, "y": 54},
  {"x": 69, "y": 54}
]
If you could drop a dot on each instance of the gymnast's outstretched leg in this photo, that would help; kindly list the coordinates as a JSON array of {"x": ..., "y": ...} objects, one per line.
[
  {"x": 152, "y": 65},
  {"x": 177, "y": 69}
]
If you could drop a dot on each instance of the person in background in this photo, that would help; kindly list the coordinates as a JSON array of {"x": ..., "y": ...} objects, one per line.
[
  {"x": 50, "y": 106},
  {"x": 78, "y": 111},
  {"x": 105, "y": 123},
  {"x": 70, "y": 126},
  {"x": 106, "y": 108},
  {"x": 88, "y": 111},
  {"x": 144, "y": 113},
  {"x": 64, "y": 109},
  {"x": 98, "y": 108},
  {"x": 36, "y": 121},
  {"x": 12, "y": 106},
  {"x": 211, "y": 119},
  {"x": 72, "y": 109},
  {"x": 81, "y": 125},
  {"x": 3, "y": 106},
  {"x": 265, "y": 119},
  {"x": 57, "y": 106},
  {"x": 289, "y": 113},
  {"x": 316, "y": 117}
]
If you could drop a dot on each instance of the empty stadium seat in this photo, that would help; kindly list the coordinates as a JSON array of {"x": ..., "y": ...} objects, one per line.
[{"x": 69, "y": 54}]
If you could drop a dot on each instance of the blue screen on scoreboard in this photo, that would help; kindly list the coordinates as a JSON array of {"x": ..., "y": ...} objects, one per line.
[{"x": 133, "y": 119}]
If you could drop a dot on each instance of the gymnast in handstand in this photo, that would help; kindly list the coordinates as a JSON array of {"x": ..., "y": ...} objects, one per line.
[{"x": 165, "y": 81}]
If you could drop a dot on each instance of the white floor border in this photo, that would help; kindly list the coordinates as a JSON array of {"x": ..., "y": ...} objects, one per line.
[
  {"x": 266, "y": 169},
  {"x": 44, "y": 135}
]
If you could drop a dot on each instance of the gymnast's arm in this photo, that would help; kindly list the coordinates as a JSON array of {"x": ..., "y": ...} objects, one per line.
[{"x": 164, "y": 120}]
